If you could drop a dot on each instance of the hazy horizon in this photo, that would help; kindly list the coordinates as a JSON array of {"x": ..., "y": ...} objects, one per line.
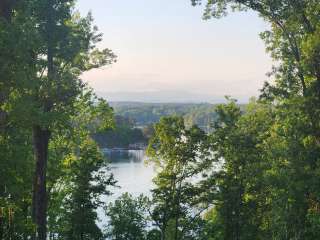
[
  {"x": 166, "y": 97},
  {"x": 165, "y": 47}
]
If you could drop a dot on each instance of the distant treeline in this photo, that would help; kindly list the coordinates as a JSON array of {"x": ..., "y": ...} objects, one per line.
[
  {"x": 143, "y": 114},
  {"x": 123, "y": 134},
  {"x": 255, "y": 177}
]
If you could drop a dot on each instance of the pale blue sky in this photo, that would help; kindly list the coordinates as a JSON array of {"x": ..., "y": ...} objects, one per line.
[{"x": 165, "y": 46}]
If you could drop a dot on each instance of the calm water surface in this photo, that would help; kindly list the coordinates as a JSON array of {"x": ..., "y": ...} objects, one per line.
[{"x": 132, "y": 174}]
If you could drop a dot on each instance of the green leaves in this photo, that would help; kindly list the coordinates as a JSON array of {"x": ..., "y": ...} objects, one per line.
[
  {"x": 128, "y": 218},
  {"x": 180, "y": 196},
  {"x": 78, "y": 173},
  {"x": 45, "y": 46},
  {"x": 271, "y": 156}
]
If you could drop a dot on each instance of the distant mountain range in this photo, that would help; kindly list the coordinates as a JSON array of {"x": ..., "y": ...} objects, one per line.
[{"x": 166, "y": 97}]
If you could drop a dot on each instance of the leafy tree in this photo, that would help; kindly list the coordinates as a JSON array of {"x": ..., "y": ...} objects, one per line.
[
  {"x": 88, "y": 184},
  {"x": 180, "y": 195},
  {"x": 45, "y": 46},
  {"x": 64, "y": 48},
  {"x": 241, "y": 202},
  {"x": 78, "y": 173},
  {"x": 293, "y": 153},
  {"x": 293, "y": 146},
  {"x": 15, "y": 141},
  {"x": 122, "y": 135},
  {"x": 128, "y": 218},
  {"x": 15, "y": 182}
]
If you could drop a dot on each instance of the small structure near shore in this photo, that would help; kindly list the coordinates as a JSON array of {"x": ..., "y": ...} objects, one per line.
[
  {"x": 133, "y": 146},
  {"x": 138, "y": 146}
]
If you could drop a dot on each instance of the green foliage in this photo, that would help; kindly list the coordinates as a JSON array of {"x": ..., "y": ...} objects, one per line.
[
  {"x": 254, "y": 175},
  {"x": 288, "y": 150},
  {"x": 238, "y": 138},
  {"x": 88, "y": 183},
  {"x": 128, "y": 218},
  {"x": 122, "y": 135},
  {"x": 146, "y": 114},
  {"x": 180, "y": 194},
  {"x": 15, "y": 182},
  {"x": 78, "y": 173},
  {"x": 45, "y": 46}
]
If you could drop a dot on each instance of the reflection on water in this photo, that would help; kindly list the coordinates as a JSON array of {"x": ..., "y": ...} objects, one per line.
[
  {"x": 132, "y": 174},
  {"x": 125, "y": 156}
]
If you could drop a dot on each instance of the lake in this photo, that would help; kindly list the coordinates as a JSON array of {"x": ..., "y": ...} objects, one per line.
[{"x": 132, "y": 174}]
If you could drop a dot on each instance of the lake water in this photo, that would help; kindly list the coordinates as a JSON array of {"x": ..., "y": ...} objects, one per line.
[{"x": 132, "y": 174}]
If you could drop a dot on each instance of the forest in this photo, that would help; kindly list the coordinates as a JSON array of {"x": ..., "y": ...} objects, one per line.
[
  {"x": 255, "y": 175},
  {"x": 201, "y": 114},
  {"x": 123, "y": 134}
]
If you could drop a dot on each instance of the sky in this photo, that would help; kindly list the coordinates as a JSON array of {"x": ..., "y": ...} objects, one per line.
[{"x": 168, "y": 53}]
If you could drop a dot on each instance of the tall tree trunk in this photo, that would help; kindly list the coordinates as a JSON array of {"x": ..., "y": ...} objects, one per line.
[{"x": 41, "y": 139}]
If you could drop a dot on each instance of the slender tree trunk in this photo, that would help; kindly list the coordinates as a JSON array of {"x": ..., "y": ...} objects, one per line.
[
  {"x": 177, "y": 211},
  {"x": 41, "y": 142},
  {"x": 163, "y": 233},
  {"x": 176, "y": 228}
]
